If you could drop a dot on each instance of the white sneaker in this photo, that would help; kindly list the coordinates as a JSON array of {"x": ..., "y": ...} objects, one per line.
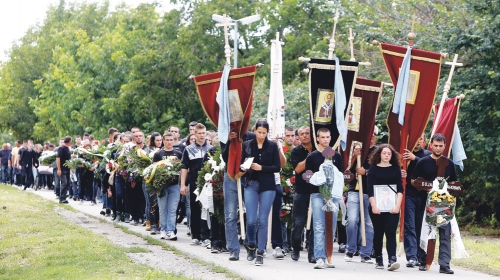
[
  {"x": 171, "y": 236},
  {"x": 195, "y": 242},
  {"x": 278, "y": 253},
  {"x": 81, "y": 202},
  {"x": 163, "y": 234},
  {"x": 205, "y": 243},
  {"x": 92, "y": 203},
  {"x": 329, "y": 265},
  {"x": 320, "y": 264}
]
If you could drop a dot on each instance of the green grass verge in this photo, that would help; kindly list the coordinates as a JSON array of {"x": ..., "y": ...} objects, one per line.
[
  {"x": 213, "y": 267},
  {"x": 36, "y": 243},
  {"x": 484, "y": 255}
]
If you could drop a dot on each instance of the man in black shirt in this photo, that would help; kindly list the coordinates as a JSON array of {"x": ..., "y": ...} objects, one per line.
[
  {"x": 192, "y": 161},
  {"x": 302, "y": 194},
  {"x": 313, "y": 163},
  {"x": 427, "y": 169},
  {"x": 63, "y": 155},
  {"x": 414, "y": 204}
]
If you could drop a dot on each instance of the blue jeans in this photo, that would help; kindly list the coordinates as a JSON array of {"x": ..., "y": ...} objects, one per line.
[
  {"x": 231, "y": 214},
  {"x": 146, "y": 197},
  {"x": 276, "y": 228},
  {"x": 167, "y": 205},
  {"x": 5, "y": 174},
  {"x": 352, "y": 226},
  {"x": 414, "y": 213},
  {"x": 319, "y": 222},
  {"x": 258, "y": 205},
  {"x": 57, "y": 183}
]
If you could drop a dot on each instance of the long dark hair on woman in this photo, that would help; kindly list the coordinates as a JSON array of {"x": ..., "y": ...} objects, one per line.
[
  {"x": 152, "y": 140},
  {"x": 376, "y": 159}
]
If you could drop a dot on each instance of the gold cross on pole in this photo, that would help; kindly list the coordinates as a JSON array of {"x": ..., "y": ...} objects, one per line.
[
  {"x": 411, "y": 35},
  {"x": 331, "y": 46},
  {"x": 413, "y": 21},
  {"x": 227, "y": 48},
  {"x": 446, "y": 89}
]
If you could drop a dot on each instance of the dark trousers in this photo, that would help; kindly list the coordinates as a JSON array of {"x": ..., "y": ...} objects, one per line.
[
  {"x": 217, "y": 233},
  {"x": 414, "y": 213},
  {"x": 135, "y": 200},
  {"x": 276, "y": 230},
  {"x": 87, "y": 180},
  {"x": 299, "y": 215},
  {"x": 195, "y": 221},
  {"x": 444, "y": 247},
  {"x": 385, "y": 223},
  {"x": 341, "y": 233},
  {"x": 65, "y": 182},
  {"x": 154, "y": 212},
  {"x": 27, "y": 173},
  {"x": 120, "y": 194}
]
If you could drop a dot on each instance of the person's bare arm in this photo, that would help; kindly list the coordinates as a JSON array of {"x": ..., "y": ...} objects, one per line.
[{"x": 184, "y": 173}]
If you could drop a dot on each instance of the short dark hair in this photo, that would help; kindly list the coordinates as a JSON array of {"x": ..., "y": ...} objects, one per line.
[
  {"x": 324, "y": 130},
  {"x": 438, "y": 137},
  {"x": 67, "y": 139},
  {"x": 289, "y": 128},
  {"x": 78, "y": 136},
  {"x": 193, "y": 123},
  {"x": 167, "y": 133},
  {"x": 198, "y": 126},
  {"x": 86, "y": 134},
  {"x": 112, "y": 130},
  {"x": 52, "y": 145}
]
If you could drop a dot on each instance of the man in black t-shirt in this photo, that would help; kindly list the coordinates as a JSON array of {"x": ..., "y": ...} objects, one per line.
[
  {"x": 63, "y": 155},
  {"x": 313, "y": 163},
  {"x": 427, "y": 169},
  {"x": 414, "y": 204},
  {"x": 302, "y": 194}
]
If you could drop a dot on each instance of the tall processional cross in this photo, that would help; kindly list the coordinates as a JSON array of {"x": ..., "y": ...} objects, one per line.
[{"x": 227, "y": 48}]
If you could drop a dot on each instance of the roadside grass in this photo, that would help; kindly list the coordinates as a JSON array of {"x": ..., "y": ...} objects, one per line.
[
  {"x": 484, "y": 255},
  {"x": 36, "y": 243},
  {"x": 215, "y": 268}
]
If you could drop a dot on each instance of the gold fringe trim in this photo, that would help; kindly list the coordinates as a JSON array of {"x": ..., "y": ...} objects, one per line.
[
  {"x": 331, "y": 67},
  {"x": 230, "y": 77},
  {"x": 413, "y": 57}
]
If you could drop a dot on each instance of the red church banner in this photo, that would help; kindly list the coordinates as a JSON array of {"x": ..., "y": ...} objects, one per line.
[
  {"x": 447, "y": 122},
  {"x": 361, "y": 117},
  {"x": 424, "y": 76},
  {"x": 240, "y": 85}
]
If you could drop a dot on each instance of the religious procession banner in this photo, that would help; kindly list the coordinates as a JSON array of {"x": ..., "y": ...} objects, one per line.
[
  {"x": 448, "y": 127},
  {"x": 240, "y": 96},
  {"x": 331, "y": 85},
  {"x": 422, "y": 80},
  {"x": 362, "y": 111}
]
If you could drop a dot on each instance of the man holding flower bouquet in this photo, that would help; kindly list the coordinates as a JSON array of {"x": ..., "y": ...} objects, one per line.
[
  {"x": 427, "y": 168},
  {"x": 318, "y": 200},
  {"x": 169, "y": 196}
]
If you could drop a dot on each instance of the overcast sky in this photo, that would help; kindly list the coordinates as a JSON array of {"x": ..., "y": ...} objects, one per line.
[{"x": 16, "y": 16}]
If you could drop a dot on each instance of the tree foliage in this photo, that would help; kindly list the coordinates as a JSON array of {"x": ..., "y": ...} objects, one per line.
[{"x": 87, "y": 68}]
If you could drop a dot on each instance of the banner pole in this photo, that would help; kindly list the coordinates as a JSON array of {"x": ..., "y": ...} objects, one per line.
[
  {"x": 361, "y": 205},
  {"x": 240, "y": 204}
]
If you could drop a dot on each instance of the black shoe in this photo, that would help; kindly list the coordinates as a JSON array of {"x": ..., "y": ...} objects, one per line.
[
  {"x": 373, "y": 254},
  {"x": 260, "y": 258},
  {"x": 356, "y": 253},
  {"x": 445, "y": 270},
  {"x": 234, "y": 257},
  {"x": 250, "y": 254},
  {"x": 411, "y": 263},
  {"x": 215, "y": 249},
  {"x": 154, "y": 229},
  {"x": 422, "y": 267},
  {"x": 63, "y": 202},
  {"x": 393, "y": 263},
  {"x": 379, "y": 262},
  {"x": 295, "y": 255},
  {"x": 102, "y": 212},
  {"x": 342, "y": 248},
  {"x": 311, "y": 259},
  {"x": 108, "y": 212}
]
